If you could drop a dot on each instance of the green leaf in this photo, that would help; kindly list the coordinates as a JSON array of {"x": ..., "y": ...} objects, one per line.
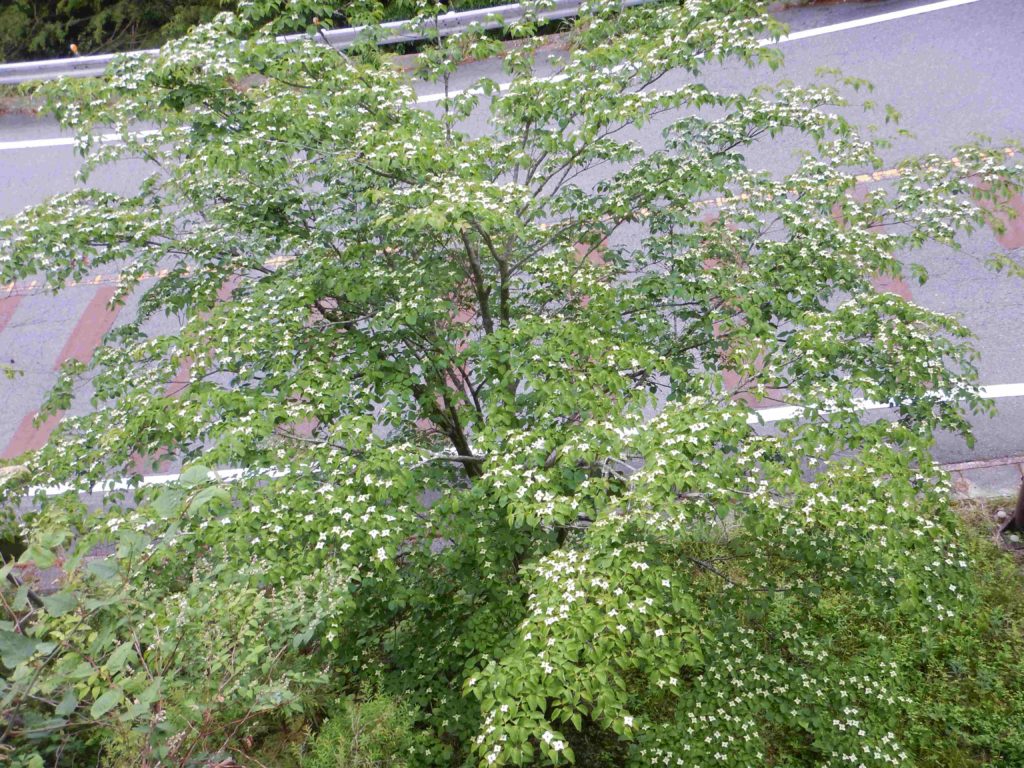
[
  {"x": 53, "y": 539},
  {"x": 151, "y": 692},
  {"x": 103, "y": 569},
  {"x": 208, "y": 495},
  {"x": 82, "y": 671},
  {"x": 15, "y": 648},
  {"x": 194, "y": 475},
  {"x": 60, "y": 603},
  {"x": 67, "y": 704},
  {"x": 120, "y": 656},
  {"x": 20, "y": 599},
  {"x": 38, "y": 555},
  {"x": 106, "y": 702},
  {"x": 135, "y": 711},
  {"x": 167, "y": 501}
]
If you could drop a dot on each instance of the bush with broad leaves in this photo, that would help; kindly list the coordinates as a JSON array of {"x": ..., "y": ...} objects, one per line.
[{"x": 466, "y": 358}]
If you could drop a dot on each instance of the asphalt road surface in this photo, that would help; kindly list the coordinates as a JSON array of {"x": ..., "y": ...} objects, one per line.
[{"x": 952, "y": 68}]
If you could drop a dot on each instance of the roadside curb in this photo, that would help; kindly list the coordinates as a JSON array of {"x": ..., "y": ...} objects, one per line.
[{"x": 987, "y": 478}]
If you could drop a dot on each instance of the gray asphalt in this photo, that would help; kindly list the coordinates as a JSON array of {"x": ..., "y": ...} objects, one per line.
[{"x": 952, "y": 73}]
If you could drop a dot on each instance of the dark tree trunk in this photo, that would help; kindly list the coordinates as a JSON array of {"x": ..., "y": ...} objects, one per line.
[{"x": 1017, "y": 519}]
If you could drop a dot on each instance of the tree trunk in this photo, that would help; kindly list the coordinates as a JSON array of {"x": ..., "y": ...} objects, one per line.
[{"x": 1017, "y": 519}]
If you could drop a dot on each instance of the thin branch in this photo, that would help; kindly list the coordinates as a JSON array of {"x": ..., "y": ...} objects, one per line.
[
  {"x": 33, "y": 597},
  {"x": 479, "y": 283},
  {"x": 443, "y": 457}
]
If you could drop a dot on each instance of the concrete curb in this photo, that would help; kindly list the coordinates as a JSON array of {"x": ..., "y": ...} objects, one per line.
[{"x": 987, "y": 478}]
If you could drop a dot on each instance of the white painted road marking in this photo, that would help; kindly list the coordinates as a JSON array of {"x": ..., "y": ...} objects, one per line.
[
  {"x": 124, "y": 484},
  {"x": 801, "y": 35},
  {"x": 769, "y": 415},
  {"x": 867, "y": 21},
  {"x": 65, "y": 141},
  {"x": 68, "y": 141},
  {"x": 764, "y": 415}
]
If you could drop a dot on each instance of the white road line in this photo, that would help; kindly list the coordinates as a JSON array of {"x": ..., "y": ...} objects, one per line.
[
  {"x": 761, "y": 416},
  {"x": 769, "y": 415},
  {"x": 867, "y": 21},
  {"x": 430, "y": 98},
  {"x": 7, "y": 146},
  {"x": 801, "y": 35},
  {"x": 68, "y": 141},
  {"x": 124, "y": 484}
]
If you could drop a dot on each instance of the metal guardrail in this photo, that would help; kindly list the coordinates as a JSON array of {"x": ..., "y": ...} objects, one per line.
[{"x": 393, "y": 32}]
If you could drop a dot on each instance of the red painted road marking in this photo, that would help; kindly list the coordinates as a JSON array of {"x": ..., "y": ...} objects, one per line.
[
  {"x": 735, "y": 383},
  {"x": 159, "y": 463},
  {"x": 181, "y": 380},
  {"x": 881, "y": 283},
  {"x": 227, "y": 289},
  {"x": 1013, "y": 235},
  {"x": 891, "y": 284},
  {"x": 29, "y": 437},
  {"x": 7, "y": 306},
  {"x": 95, "y": 321}
]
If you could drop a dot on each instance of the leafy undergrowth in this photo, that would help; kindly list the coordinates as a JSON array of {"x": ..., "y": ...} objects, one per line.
[
  {"x": 968, "y": 698},
  {"x": 17, "y": 100},
  {"x": 963, "y": 688}
]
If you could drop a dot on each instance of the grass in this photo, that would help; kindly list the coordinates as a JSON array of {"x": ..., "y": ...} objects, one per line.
[{"x": 18, "y": 99}]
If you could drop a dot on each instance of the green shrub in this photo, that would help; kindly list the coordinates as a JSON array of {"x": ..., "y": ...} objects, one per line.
[
  {"x": 958, "y": 690},
  {"x": 401, "y": 322},
  {"x": 377, "y": 733},
  {"x": 967, "y": 694}
]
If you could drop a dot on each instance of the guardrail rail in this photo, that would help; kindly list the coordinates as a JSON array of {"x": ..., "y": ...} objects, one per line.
[{"x": 406, "y": 31}]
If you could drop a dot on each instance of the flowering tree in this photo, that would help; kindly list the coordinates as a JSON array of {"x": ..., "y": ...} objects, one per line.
[{"x": 471, "y": 385}]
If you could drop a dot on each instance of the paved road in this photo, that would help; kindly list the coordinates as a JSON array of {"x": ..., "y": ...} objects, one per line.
[{"x": 952, "y": 72}]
